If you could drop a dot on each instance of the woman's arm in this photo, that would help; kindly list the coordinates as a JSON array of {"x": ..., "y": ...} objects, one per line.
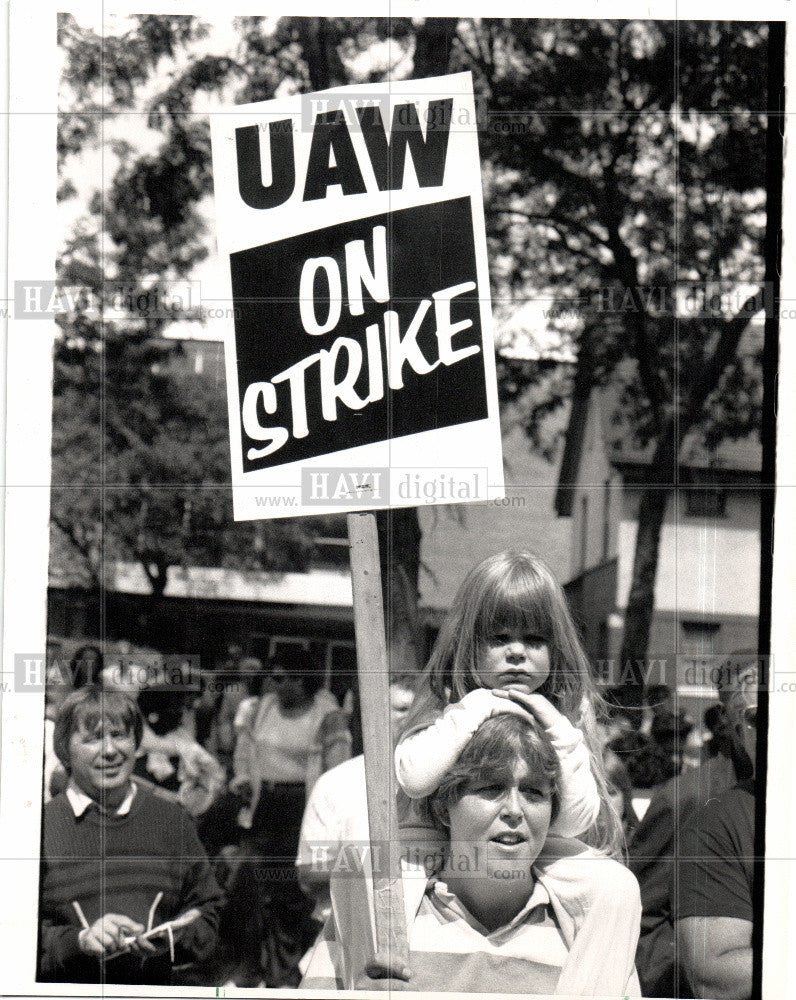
[{"x": 598, "y": 904}]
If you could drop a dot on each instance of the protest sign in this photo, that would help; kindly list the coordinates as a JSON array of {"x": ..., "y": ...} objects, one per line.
[{"x": 360, "y": 370}]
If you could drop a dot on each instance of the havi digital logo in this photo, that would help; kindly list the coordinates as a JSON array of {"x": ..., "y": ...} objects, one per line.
[{"x": 345, "y": 487}]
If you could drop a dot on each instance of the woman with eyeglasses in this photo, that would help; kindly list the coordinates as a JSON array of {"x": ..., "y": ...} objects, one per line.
[{"x": 285, "y": 739}]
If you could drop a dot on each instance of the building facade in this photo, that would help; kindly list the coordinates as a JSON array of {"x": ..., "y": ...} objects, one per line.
[{"x": 708, "y": 575}]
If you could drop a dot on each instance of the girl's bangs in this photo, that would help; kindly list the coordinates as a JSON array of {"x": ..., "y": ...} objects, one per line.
[
  {"x": 519, "y": 601},
  {"x": 504, "y": 749}
]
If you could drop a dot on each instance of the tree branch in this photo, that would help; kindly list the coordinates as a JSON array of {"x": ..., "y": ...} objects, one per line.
[
  {"x": 644, "y": 350},
  {"x": 723, "y": 353},
  {"x": 553, "y": 220},
  {"x": 83, "y": 550}
]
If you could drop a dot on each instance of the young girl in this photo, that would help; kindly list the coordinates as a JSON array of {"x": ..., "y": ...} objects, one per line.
[{"x": 509, "y": 645}]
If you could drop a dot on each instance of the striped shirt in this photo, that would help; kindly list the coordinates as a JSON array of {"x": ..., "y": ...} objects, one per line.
[
  {"x": 576, "y": 935},
  {"x": 452, "y": 951}
]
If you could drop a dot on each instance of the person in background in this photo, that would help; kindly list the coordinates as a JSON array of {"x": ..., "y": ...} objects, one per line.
[
  {"x": 169, "y": 756},
  {"x": 713, "y": 901},
  {"x": 620, "y": 789},
  {"x": 656, "y": 848},
  {"x": 117, "y": 860},
  {"x": 337, "y": 810},
  {"x": 218, "y": 826},
  {"x": 645, "y": 763},
  {"x": 86, "y": 666},
  {"x": 669, "y": 732},
  {"x": 722, "y": 749},
  {"x": 286, "y": 739},
  {"x": 247, "y": 681},
  {"x": 213, "y": 682},
  {"x": 658, "y": 700}
]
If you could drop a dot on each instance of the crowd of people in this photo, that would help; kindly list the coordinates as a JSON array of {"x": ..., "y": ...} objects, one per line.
[{"x": 199, "y": 838}]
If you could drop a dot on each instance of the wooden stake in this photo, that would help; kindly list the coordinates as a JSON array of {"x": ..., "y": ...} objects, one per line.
[{"x": 391, "y": 960}]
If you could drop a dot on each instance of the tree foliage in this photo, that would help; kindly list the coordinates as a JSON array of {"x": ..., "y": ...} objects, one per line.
[
  {"x": 632, "y": 181},
  {"x": 622, "y": 163}
]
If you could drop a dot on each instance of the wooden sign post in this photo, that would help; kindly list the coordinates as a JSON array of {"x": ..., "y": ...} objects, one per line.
[
  {"x": 391, "y": 960},
  {"x": 361, "y": 367}
]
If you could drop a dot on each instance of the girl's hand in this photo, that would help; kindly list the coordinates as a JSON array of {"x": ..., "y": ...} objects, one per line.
[
  {"x": 483, "y": 703},
  {"x": 545, "y": 713}
]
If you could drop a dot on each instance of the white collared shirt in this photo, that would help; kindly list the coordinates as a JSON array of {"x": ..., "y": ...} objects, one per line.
[
  {"x": 452, "y": 951},
  {"x": 79, "y": 801},
  {"x": 446, "y": 899}
]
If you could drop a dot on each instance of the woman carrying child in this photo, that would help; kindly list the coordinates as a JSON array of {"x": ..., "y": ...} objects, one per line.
[
  {"x": 509, "y": 644},
  {"x": 500, "y": 756},
  {"x": 494, "y": 914}
]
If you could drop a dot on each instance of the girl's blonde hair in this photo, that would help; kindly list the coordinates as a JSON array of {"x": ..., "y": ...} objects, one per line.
[{"x": 518, "y": 589}]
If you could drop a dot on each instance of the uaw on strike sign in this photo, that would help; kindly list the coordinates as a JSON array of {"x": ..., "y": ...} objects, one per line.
[{"x": 361, "y": 373}]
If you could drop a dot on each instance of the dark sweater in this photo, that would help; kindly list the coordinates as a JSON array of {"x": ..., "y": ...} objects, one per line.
[{"x": 118, "y": 864}]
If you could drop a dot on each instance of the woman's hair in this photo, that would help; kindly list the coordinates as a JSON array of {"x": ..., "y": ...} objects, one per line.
[
  {"x": 91, "y": 708},
  {"x": 619, "y": 782},
  {"x": 491, "y": 756},
  {"x": 163, "y": 707},
  {"x": 299, "y": 662},
  {"x": 86, "y": 666},
  {"x": 517, "y": 589}
]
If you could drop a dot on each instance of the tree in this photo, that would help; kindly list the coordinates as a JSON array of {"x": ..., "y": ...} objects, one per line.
[
  {"x": 621, "y": 160},
  {"x": 635, "y": 169},
  {"x": 140, "y": 448},
  {"x": 140, "y": 459}
]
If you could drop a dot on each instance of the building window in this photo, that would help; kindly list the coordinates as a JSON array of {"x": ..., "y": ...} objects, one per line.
[
  {"x": 705, "y": 503},
  {"x": 698, "y": 646}
]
